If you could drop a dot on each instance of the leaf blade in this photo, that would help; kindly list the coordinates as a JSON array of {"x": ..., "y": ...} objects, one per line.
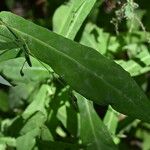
[
  {"x": 84, "y": 68},
  {"x": 75, "y": 14},
  {"x": 96, "y": 135}
]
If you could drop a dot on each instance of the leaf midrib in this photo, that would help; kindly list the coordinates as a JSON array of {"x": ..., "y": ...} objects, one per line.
[{"x": 91, "y": 123}]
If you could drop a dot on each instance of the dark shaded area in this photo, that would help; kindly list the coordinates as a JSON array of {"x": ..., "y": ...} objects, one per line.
[
  {"x": 101, "y": 110},
  {"x": 39, "y": 11},
  {"x": 144, "y": 5},
  {"x": 47, "y": 145}
]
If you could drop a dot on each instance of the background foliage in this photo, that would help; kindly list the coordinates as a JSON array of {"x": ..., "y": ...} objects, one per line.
[{"x": 40, "y": 111}]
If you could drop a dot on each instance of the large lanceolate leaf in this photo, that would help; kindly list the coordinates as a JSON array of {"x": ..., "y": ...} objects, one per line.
[
  {"x": 84, "y": 69},
  {"x": 74, "y": 13},
  {"x": 93, "y": 132}
]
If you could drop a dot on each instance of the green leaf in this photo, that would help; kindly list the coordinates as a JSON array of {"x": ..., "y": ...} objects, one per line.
[
  {"x": 3, "y": 146},
  {"x": 96, "y": 38},
  {"x": 134, "y": 23},
  {"x": 4, "y": 105},
  {"x": 19, "y": 93},
  {"x": 6, "y": 45},
  {"x": 126, "y": 124},
  {"x": 46, "y": 145},
  {"x": 66, "y": 112},
  {"x": 143, "y": 134},
  {"x": 46, "y": 134},
  {"x": 93, "y": 132},
  {"x": 74, "y": 14},
  {"x": 85, "y": 70},
  {"x": 8, "y": 141},
  {"x": 10, "y": 54},
  {"x": 39, "y": 102},
  {"x": 36, "y": 121},
  {"x": 140, "y": 62},
  {"x": 27, "y": 141},
  {"x": 30, "y": 73},
  {"x": 4, "y": 82},
  {"x": 111, "y": 120}
]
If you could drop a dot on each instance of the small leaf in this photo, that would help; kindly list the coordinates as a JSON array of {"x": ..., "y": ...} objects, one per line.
[
  {"x": 27, "y": 141},
  {"x": 93, "y": 132},
  {"x": 38, "y": 104},
  {"x": 139, "y": 63},
  {"x": 96, "y": 38},
  {"x": 74, "y": 14},
  {"x": 111, "y": 120},
  {"x": 35, "y": 122},
  {"x": 8, "y": 141},
  {"x": 46, "y": 134}
]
